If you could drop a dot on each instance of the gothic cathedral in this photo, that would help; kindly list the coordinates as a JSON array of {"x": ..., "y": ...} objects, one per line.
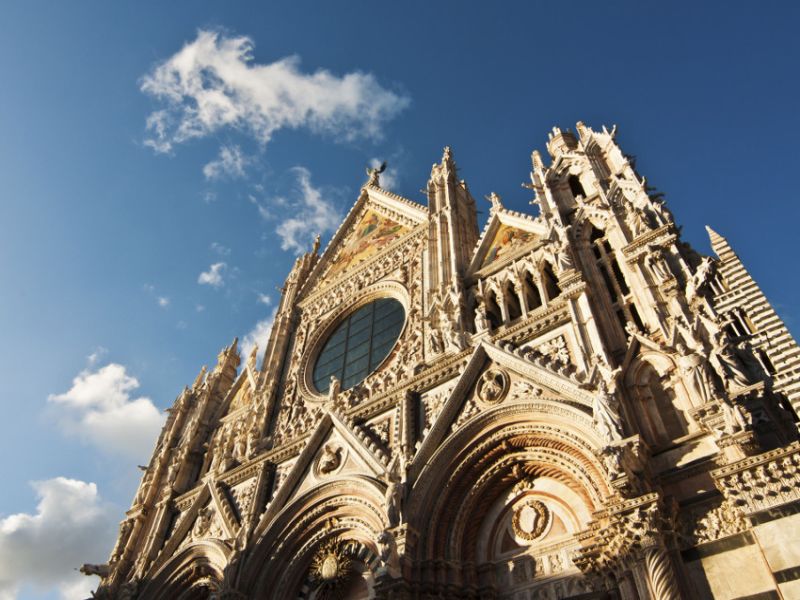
[{"x": 569, "y": 405}]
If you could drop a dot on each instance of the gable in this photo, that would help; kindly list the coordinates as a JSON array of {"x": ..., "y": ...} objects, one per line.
[
  {"x": 506, "y": 240},
  {"x": 371, "y": 234},
  {"x": 505, "y": 235}
]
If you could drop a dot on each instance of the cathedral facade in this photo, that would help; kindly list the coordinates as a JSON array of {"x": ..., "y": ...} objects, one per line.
[{"x": 569, "y": 405}]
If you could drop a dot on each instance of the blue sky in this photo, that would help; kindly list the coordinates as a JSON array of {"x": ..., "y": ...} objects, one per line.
[{"x": 140, "y": 234}]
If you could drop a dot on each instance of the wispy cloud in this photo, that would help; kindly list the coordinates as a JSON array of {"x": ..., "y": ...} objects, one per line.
[
  {"x": 96, "y": 355},
  {"x": 163, "y": 301},
  {"x": 213, "y": 82},
  {"x": 231, "y": 163},
  {"x": 213, "y": 276},
  {"x": 220, "y": 249},
  {"x": 313, "y": 215},
  {"x": 99, "y": 409},
  {"x": 264, "y": 299},
  {"x": 71, "y": 525}
]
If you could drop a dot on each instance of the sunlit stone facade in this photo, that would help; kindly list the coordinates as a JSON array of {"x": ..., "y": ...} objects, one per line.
[{"x": 570, "y": 405}]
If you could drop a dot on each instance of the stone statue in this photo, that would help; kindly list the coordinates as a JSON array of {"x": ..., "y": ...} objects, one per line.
[
  {"x": 373, "y": 175},
  {"x": 394, "y": 501},
  {"x": 698, "y": 282},
  {"x": 481, "y": 320},
  {"x": 657, "y": 263},
  {"x": 694, "y": 369},
  {"x": 330, "y": 459},
  {"x": 728, "y": 366},
  {"x": 605, "y": 412},
  {"x": 334, "y": 389},
  {"x": 734, "y": 417},
  {"x": 637, "y": 221}
]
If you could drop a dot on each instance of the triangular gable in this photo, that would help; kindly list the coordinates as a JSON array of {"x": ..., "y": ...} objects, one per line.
[
  {"x": 240, "y": 393},
  {"x": 562, "y": 386},
  {"x": 376, "y": 220},
  {"x": 505, "y": 235},
  {"x": 211, "y": 499},
  {"x": 331, "y": 430}
]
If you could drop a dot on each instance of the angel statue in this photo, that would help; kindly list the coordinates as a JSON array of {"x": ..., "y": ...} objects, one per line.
[{"x": 373, "y": 175}]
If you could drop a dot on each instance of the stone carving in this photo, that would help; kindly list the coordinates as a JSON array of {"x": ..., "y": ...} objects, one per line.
[
  {"x": 493, "y": 386},
  {"x": 718, "y": 522},
  {"x": 656, "y": 261},
  {"x": 696, "y": 286},
  {"x": 696, "y": 373},
  {"x": 530, "y": 520},
  {"x": 762, "y": 482},
  {"x": 331, "y": 565},
  {"x": 605, "y": 413},
  {"x": 330, "y": 459},
  {"x": 556, "y": 349},
  {"x": 481, "y": 320}
]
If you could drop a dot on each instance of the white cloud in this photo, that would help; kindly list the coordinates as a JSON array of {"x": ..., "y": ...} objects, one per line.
[
  {"x": 220, "y": 249},
  {"x": 264, "y": 299},
  {"x": 213, "y": 82},
  {"x": 71, "y": 526},
  {"x": 213, "y": 276},
  {"x": 313, "y": 215},
  {"x": 231, "y": 163},
  {"x": 99, "y": 409},
  {"x": 259, "y": 334},
  {"x": 163, "y": 301},
  {"x": 388, "y": 178}
]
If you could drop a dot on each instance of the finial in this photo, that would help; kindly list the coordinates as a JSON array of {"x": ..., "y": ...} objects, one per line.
[
  {"x": 315, "y": 248},
  {"x": 447, "y": 156},
  {"x": 494, "y": 198},
  {"x": 251, "y": 360}
]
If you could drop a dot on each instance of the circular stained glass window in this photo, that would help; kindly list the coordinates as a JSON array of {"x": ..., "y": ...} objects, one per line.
[{"x": 359, "y": 344}]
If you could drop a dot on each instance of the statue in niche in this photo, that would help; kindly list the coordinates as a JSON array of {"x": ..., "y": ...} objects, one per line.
[
  {"x": 562, "y": 255},
  {"x": 657, "y": 263},
  {"x": 481, "y": 320}
]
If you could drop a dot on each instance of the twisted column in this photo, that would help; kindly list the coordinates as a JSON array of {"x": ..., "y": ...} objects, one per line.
[{"x": 661, "y": 574}]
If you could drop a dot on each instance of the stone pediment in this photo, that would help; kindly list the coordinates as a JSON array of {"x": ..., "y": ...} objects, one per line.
[
  {"x": 209, "y": 516},
  {"x": 334, "y": 451},
  {"x": 493, "y": 375},
  {"x": 376, "y": 221},
  {"x": 507, "y": 234}
]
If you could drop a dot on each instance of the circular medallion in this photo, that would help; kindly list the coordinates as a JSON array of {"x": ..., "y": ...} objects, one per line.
[
  {"x": 493, "y": 386},
  {"x": 530, "y": 520}
]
